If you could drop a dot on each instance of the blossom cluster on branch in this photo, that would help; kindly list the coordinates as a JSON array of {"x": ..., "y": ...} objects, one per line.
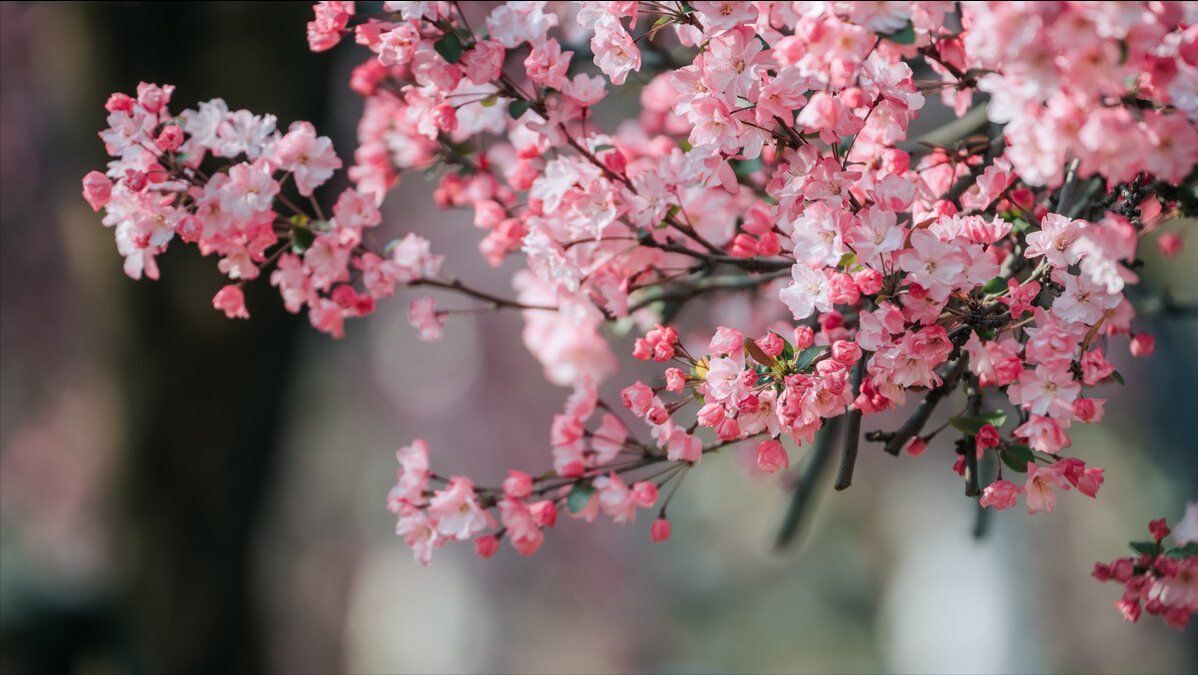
[{"x": 770, "y": 159}]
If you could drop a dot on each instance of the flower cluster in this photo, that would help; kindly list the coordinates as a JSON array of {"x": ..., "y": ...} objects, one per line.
[
  {"x": 769, "y": 160},
  {"x": 1160, "y": 580}
]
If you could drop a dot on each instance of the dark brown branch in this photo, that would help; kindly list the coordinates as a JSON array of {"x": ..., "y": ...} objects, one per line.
[
  {"x": 821, "y": 452},
  {"x": 852, "y": 430},
  {"x": 919, "y": 418}
]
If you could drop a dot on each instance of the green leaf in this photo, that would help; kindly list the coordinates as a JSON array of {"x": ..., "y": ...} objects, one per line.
[
  {"x": 489, "y": 101},
  {"x": 660, "y": 22},
  {"x": 972, "y": 425},
  {"x": 518, "y": 107},
  {"x": 449, "y": 47},
  {"x": 847, "y": 260},
  {"x": 1183, "y": 551},
  {"x": 1117, "y": 377},
  {"x": 1144, "y": 547},
  {"x": 605, "y": 146},
  {"x": 985, "y": 334},
  {"x": 743, "y": 168},
  {"x": 1017, "y": 456},
  {"x": 995, "y": 285},
  {"x": 807, "y": 357},
  {"x": 579, "y": 496},
  {"x": 301, "y": 239},
  {"x": 905, "y": 36}
]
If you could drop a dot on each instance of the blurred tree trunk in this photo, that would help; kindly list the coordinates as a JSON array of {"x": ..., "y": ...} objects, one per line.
[{"x": 203, "y": 394}]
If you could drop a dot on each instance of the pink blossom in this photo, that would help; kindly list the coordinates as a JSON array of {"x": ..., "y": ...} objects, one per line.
[
  {"x": 1000, "y": 494},
  {"x": 615, "y": 499},
  {"x": 771, "y": 456},
  {"x": 1169, "y": 243},
  {"x": 97, "y": 190},
  {"x": 615, "y": 52},
  {"x": 1143, "y": 344},
  {"x": 660, "y": 530},
  {"x": 231, "y": 301},
  {"x": 424, "y": 317},
  {"x": 420, "y": 534},
  {"x": 455, "y": 511},
  {"x": 1047, "y": 390},
  {"x": 310, "y": 160},
  {"x": 1039, "y": 487}
]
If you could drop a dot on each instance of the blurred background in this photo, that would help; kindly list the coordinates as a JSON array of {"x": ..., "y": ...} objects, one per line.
[{"x": 184, "y": 493}]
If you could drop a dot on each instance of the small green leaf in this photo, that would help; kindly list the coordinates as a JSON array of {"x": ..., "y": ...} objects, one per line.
[
  {"x": 579, "y": 496},
  {"x": 905, "y": 36},
  {"x": 985, "y": 334},
  {"x": 1144, "y": 547},
  {"x": 743, "y": 168},
  {"x": 972, "y": 425},
  {"x": 1117, "y": 377},
  {"x": 489, "y": 101},
  {"x": 995, "y": 285},
  {"x": 660, "y": 22},
  {"x": 847, "y": 260},
  {"x": 807, "y": 357},
  {"x": 449, "y": 47},
  {"x": 605, "y": 146},
  {"x": 1017, "y": 456},
  {"x": 518, "y": 107},
  {"x": 1183, "y": 551},
  {"x": 301, "y": 239}
]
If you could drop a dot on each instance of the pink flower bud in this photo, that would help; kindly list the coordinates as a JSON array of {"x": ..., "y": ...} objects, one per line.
[
  {"x": 710, "y": 414},
  {"x": 97, "y": 189},
  {"x": 1000, "y": 494},
  {"x": 663, "y": 351},
  {"x": 637, "y": 398},
  {"x": 846, "y": 352},
  {"x": 1130, "y": 610},
  {"x": 804, "y": 337},
  {"x": 614, "y": 160},
  {"x": 1170, "y": 244},
  {"x": 1158, "y": 529},
  {"x": 518, "y": 485},
  {"x": 1122, "y": 569},
  {"x": 1143, "y": 344},
  {"x": 1101, "y": 572},
  {"x": 486, "y": 545},
  {"x": 119, "y": 101},
  {"x": 660, "y": 531},
  {"x": 644, "y": 494},
  {"x": 642, "y": 350},
  {"x": 988, "y": 436},
  {"x": 544, "y": 513},
  {"x": 657, "y": 415},
  {"x": 728, "y": 429},
  {"x": 771, "y": 344},
  {"x": 1088, "y": 409},
  {"x": 726, "y": 341},
  {"x": 769, "y": 245},
  {"x": 916, "y": 447},
  {"x": 170, "y": 139},
  {"x": 231, "y": 301},
  {"x": 675, "y": 380},
  {"x": 842, "y": 290},
  {"x": 771, "y": 456},
  {"x": 868, "y": 280},
  {"x": 743, "y": 246}
]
